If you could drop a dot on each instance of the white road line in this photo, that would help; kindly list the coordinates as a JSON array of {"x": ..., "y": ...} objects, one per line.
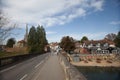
[
  {"x": 7, "y": 69},
  {"x": 39, "y": 64},
  {"x": 24, "y": 77}
]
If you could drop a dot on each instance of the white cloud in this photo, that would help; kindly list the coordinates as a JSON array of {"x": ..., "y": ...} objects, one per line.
[
  {"x": 91, "y": 36},
  {"x": 97, "y": 4},
  {"x": 115, "y": 23},
  {"x": 79, "y": 12},
  {"x": 98, "y": 35},
  {"x": 51, "y": 32},
  {"x": 49, "y": 13},
  {"x": 95, "y": 35}
]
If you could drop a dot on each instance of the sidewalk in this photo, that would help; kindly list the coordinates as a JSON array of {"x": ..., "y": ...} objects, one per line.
[{"x": 51, "y": 70}]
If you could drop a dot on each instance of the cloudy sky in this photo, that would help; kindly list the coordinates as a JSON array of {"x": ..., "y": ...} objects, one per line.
[{"x": 75, "y": 18}]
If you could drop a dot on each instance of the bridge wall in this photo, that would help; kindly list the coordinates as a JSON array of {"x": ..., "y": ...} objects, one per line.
[{"x": 71, "y": 73}]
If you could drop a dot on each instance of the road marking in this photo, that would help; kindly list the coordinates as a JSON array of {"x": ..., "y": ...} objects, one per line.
[
  {"x": 24, "y": 77},
  {"x": 39, "y": 64},
  {"x": 7, "y": 69}
]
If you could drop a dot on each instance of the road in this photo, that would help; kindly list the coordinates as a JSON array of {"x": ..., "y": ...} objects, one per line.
[
  {"x": 43, "y": 67},
  {"x": 17, "y": 72}
]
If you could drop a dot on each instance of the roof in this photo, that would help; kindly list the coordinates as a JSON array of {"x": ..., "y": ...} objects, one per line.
[{"x": 21, "y": 41}]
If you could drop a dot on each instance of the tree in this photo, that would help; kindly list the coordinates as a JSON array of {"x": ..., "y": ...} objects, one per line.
[
  {"x": 10, "y": 42},
  {"x": 67, "y": 44},
  {"x": 32, "y": 39},
  {"x": 117, "y": 40},
  {"x": 84, "y": 38},
  {"x": 37, "y": 39},
  {"x": 110, "y": 36},
  {"x": 41, "y": 38},
  {"x": 44, "y": 40},
  {"x": 5, "y": 30}
]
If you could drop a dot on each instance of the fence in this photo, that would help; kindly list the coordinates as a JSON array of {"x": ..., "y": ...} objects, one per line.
[{"x": 71, "y": 72}]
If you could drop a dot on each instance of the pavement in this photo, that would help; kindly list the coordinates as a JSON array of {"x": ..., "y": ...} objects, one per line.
[
  {"x": 42, "y": 67},
  {"x": 52, "y": 70}
]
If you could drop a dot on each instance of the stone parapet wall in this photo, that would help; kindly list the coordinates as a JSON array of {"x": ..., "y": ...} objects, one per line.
[{"x": 71, "y": 73}]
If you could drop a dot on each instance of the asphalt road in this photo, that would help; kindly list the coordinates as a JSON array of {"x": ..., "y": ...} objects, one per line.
[
  {"x": 24, "y": 69},
  {"x": 51, "y": 70}
]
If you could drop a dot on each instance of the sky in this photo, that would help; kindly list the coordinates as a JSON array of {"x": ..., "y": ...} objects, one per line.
[{"x": 74, "y": 18}]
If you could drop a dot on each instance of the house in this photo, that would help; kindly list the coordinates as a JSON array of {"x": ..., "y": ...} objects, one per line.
[
  {"x": 54, "y": 46},
  {"x": 47, "y": 48},
  {"x": 77, "y": 44},
  {"x": 79, "y": 48},
  {"x": 98, "y": 44},
  {"x": 20, "y": 44}
]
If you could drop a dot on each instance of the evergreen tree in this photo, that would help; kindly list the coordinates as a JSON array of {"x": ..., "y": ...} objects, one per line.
[
  {"x": 39, "y": 35},
  {"x": 32, "y": 39},
  {"x": 10, "y": 42},
  {"x": 42, "y": 41},
  {"x": 37, "y": 39}
]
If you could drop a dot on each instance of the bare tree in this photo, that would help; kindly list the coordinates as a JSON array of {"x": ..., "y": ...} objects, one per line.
[
  {"x": 5, "y": 31},
  {"x": 110, "y": 36}
]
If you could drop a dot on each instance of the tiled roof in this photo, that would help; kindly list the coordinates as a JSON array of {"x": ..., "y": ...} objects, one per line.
[{"x": 21, "y": 41}]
